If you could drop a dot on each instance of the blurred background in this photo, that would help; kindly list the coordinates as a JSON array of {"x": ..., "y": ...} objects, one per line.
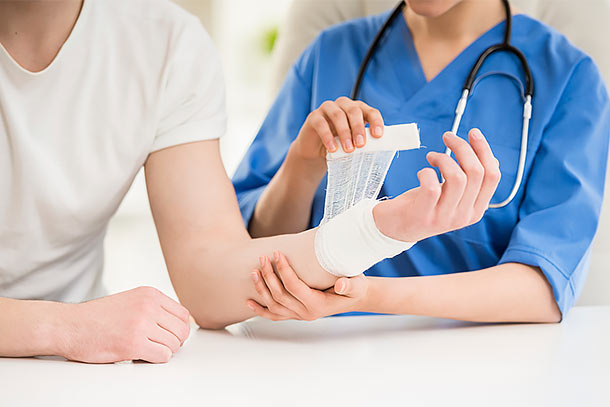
[{"x": 245, "y": 40}]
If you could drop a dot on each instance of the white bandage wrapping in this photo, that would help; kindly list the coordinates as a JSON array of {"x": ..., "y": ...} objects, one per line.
[
  {"x": 348, "y": 241},
  {"x": 360, "y": 174},
  {"x": 351, "y": 243}
]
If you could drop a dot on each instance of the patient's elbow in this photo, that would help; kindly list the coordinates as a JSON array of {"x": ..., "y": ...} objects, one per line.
[{"x": 208, "y": 320}]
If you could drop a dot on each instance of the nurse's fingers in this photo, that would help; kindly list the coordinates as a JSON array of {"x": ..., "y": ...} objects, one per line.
[
  {"x": 492, "y": 170},
  {"x": 276, "y": 288},
  {"x": 265, "y": 293},
  {"x": 373, "y": 117},
  {"x": 472, "y": 167},
  {"x": 453, "y": 187},
  {"x": 338, "y": 121},
  {"x": 322, "y": 128},
  {"x": 355, "y": 117},
  {"x": 265, "y": 313},
  {"x": 291, "y": 281}
]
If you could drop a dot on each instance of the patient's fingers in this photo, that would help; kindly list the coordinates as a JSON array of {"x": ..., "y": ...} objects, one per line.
[
  {"x": 430, "y": 191},
  {"x": 492, "y": 170}
]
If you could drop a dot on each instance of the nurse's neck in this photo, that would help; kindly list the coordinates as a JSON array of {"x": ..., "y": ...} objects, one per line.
[
  {"x": 439, "y": 39},
  {"x": 33, "y": 31}
]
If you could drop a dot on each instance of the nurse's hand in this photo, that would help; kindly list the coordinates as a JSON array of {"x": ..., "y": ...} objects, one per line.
[
  {"x": 286, "y": 296},
  {"x": 343, "y": 118},
  {"x": 142, "y": 323},
  {"x": 434, "y": 208}
]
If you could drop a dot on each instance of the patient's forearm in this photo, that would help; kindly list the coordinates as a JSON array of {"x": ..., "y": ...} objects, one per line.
[
  {"x": 509, "y": 292},
  {"x": 29, "y": 328},
  {"x": 214, "y": 280}
]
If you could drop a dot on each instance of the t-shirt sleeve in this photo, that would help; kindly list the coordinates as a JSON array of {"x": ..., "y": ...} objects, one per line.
[
  {"x": 192, "y": 105},
  {"x": 559, "y": 215},
  {"x": 280, "y": 128}
]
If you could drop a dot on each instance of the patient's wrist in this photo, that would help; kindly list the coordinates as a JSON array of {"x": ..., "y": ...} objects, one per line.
[
  {"x": 351, "y": 242},
  {"x": 53, "y": 329}
]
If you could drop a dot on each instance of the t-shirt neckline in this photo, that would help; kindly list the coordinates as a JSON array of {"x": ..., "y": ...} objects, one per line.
[{"x": 62, "y": 50}]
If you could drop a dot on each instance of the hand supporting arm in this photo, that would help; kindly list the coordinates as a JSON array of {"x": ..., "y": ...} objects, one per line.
[{"x": 510, "y": 292}]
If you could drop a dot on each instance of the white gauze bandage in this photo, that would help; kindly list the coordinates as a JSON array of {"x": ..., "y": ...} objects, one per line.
[{"x": 348, "y": 242}]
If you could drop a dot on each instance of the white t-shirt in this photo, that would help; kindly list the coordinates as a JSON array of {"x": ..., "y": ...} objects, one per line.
[{"x": 133, "y": 77}]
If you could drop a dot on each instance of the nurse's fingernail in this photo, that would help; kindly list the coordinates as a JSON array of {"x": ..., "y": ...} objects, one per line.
[
  {"x": 332, "y": 146},
  {"x": 378, "y": 131},
  {"x": 347, "y": 145},
  {"x": 359, "y": 140},
  {"x": 476, "y": 134},
  {"x": 255, "y": 277}
]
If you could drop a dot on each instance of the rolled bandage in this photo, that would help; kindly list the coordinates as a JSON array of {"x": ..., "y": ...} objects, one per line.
[{"x": 351, "y": 243}]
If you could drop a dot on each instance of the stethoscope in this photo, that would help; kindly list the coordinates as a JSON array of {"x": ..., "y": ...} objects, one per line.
[{"x": 467, "y": 89}]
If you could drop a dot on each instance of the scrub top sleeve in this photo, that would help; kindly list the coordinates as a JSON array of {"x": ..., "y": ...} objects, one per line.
[
  {"x": 280, "y": 128},
  {"x": 192, "y": 105},
  {"x": 559, "y": 214}
]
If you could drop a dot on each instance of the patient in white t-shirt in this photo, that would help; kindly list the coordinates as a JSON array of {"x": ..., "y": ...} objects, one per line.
[{"x": 91, "y": 91}]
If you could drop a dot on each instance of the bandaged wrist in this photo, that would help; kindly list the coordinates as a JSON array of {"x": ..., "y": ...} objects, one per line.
[{"x": 350, "y": 243}]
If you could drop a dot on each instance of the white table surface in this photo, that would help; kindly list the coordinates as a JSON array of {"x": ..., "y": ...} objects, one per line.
[{"x": 368, "y": 360}]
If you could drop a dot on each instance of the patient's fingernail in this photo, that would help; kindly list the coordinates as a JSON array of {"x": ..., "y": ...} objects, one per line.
[
  {"x": 359, "y": 140},
  {"x": 261, "y": 261},
  {"x": 378, "y": 131},
  {"x": 255, "y": 277},
  {"x": 276, "y": 256},
  {"x": 250, "y": 306}
]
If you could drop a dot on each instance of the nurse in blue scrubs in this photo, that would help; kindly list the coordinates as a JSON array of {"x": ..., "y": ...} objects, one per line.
[{"x": 518, "y": 262}]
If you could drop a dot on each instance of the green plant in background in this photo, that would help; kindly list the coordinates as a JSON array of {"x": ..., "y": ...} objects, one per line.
[{"x": 268, "y": 39}]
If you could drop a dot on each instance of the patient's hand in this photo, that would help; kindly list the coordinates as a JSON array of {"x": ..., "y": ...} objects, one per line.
[
  {"x": 434, "y": 208},
  {"x": 141, "y": 323},
  {"x": 285, "y": 296}
]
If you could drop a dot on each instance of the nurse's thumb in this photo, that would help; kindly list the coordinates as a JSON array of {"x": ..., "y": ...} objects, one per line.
[{"x": 351, "y": 287}]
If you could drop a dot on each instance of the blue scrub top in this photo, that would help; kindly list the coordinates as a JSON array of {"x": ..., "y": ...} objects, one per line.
[{"x": 551, "y": 222}]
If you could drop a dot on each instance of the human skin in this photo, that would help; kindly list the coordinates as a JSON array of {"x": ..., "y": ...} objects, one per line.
[{"x": 441, "y": 29}]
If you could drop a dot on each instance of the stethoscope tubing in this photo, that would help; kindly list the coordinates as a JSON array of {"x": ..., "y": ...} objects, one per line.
[{"x": 505, "y": 46}]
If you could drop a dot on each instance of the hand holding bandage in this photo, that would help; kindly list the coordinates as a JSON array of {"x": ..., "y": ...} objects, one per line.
[{"x": 369, "y": 232}]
